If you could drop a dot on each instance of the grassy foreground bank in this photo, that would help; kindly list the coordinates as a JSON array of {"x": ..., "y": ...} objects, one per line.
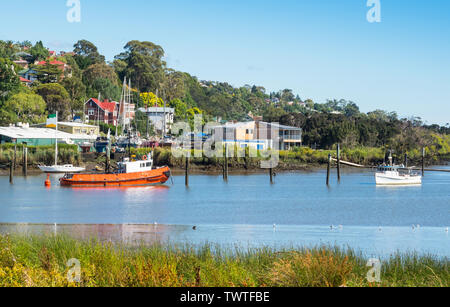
[{"x": 41, "y": 261}]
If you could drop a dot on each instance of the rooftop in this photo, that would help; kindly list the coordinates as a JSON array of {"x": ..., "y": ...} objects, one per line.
[
  {"x": 109, "y": 106},
  {"x": 38, "y": 133},
  {"x": 158, "y": 110},
  {"x": 33, "y": 133},
  {"x": 75, "y": 124}
]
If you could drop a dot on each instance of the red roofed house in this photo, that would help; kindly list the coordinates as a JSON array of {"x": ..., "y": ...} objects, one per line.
[
  {"x": 61, "y": 66},
  {"x": 107, "y": 111},
  {"x": 25, "y": 81},
  {"x": 102, "y": 111}
]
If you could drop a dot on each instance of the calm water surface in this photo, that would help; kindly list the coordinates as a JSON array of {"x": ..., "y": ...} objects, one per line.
[{"x": 376, "y": 220}]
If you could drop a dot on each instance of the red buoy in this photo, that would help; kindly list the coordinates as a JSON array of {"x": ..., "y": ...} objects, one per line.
[{"x": 48, "y": 183}]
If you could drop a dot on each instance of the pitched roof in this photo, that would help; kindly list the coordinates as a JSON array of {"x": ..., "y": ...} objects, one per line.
[
  {"x": 54, "y": 62},
  {"x": 105, "y": 105}
]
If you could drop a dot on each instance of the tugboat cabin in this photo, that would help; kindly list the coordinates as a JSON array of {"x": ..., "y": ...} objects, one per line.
[{"x": 128, "y": 166}]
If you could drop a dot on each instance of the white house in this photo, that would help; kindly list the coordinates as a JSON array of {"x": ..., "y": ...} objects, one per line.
[{"x": 158, "y": 116}]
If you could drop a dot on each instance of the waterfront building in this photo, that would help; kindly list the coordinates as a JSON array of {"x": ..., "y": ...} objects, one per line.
[
  {"x": 158, "y": 116},
  {"x": 79, "y": 128},
  {"x": 258, "y": 135},
  {"x": 41, "y": 136}
]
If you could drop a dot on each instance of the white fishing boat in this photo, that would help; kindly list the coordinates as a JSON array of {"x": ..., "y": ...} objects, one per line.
[
  {"x": 397, "y": 175},
  {"x": 59, "y": 169}
]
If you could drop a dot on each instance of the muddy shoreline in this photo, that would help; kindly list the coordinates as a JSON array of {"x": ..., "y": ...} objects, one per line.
[{"x": 199, "y": 169}]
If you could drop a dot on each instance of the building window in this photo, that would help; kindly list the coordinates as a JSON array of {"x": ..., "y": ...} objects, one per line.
[{"x": 91, "y": 112}]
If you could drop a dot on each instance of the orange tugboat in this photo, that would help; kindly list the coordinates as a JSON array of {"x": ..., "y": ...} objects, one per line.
[{"x": 130, "y": 173}]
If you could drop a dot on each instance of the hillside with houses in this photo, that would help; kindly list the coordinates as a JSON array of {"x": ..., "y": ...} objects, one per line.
[{"x": 86, "y": 92}]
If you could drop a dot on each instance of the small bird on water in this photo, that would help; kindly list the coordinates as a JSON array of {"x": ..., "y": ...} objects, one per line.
[{"x": 194, "y": 228}]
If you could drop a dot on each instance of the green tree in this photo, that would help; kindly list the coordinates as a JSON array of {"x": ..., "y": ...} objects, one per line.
[
  {"x": 75, "y": 69},
  {"x": 48, "y": 73},
  {"x": 120, "y": 68},
  {"x": 105, "y": 88},
  {"x": 23, "y": 107},
  {"x": 173, "y": 86},
  {"x": 99, "y": 71},
  {"x": 273, "y": 114},
  {"x": 86, "y": 54},
  {"x": 39, "y": 52},
  {"x": 8, "y": 49},
  {"x": 9, "y": 80},
  {"x": 145, "y": 66},
  {"x": 180, "y": 109},
  {"x": 56, "y": 97},
  {"x": 77, "y": 93}
]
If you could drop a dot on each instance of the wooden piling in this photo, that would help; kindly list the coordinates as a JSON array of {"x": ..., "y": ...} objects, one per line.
[
  {"x": 11, "y": 172},
  {"x": 271, "y": 175},
  {"x": 328, "y": 169},
  {"x": 15, "y": 155},
  {"x": 226, "y": 163},
  {"x": 338, "y": 154},
  {"x": 25, "y": 160},
  {"x": 186, "y": 177},
  {"x": 423, "y": 161},
  {"x": 108, "y": 160},
  {"x": 223, "y": 164}
]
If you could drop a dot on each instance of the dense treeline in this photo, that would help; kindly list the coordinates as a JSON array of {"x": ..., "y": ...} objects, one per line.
[{"x": 154, "y": 83}]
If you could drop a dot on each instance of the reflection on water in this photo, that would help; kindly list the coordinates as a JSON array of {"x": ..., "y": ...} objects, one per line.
[{"x": 371, "y": 241}]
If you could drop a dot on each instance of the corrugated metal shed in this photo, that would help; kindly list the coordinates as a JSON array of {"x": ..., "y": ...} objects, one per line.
[
  {"x": 39, "y": 136},
  {"x": 33, "y": 133}
]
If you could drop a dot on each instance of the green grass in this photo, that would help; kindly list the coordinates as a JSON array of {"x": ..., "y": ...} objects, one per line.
[
  {"x": 41, "y": 261},
  {"x": 67, "y": 154}
]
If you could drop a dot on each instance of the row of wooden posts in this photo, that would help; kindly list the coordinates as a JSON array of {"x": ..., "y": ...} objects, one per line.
[
  {"x": 12, "y": 164},
  {"x": 224, "y": 169}
]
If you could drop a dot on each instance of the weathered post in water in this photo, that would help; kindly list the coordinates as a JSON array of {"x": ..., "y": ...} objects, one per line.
[
  {"x": 226, "y": 163},
  {"x": 338, "y": 154},
  {"x": 25, "y": 159},
  {"x": 271, "y": 175},
  {"x": 15, "y": 155},
  {"x": 108, "y": 160},
  {"x": 12, "y": 164},
  {"x": 328, "y": 169},
  {"x": 223, "y": 163},
  {"x": 11, "y": 172},
  {"x": 423, "y": 161},
  {"x": 186, "y": 178}
]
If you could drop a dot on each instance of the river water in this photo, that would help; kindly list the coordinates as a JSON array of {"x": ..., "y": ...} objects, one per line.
[{"x": 298, "y": 210}]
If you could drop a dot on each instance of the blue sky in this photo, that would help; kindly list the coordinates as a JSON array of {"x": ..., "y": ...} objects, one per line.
[{"x": 319, "y": 48}]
